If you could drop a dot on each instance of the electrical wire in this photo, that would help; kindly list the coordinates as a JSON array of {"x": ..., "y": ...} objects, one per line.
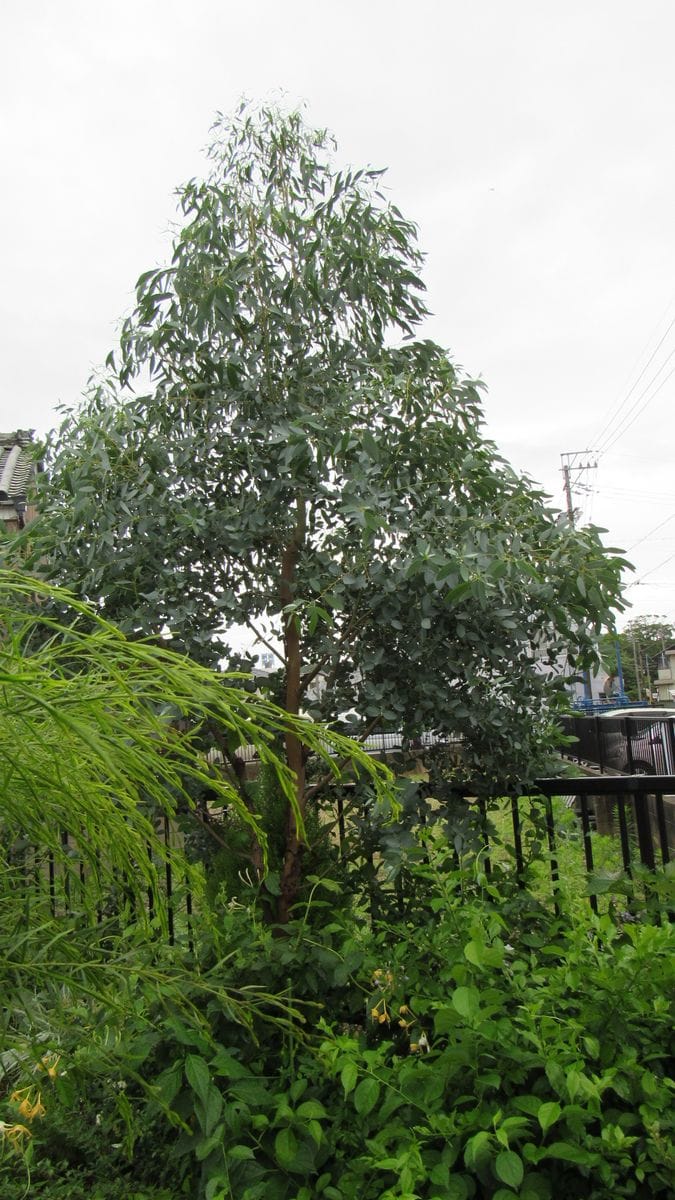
[
  {"x": 606, "y": 426},
  {"x": 644, "y": 539},
  {"x": 632, "y": 415},
  {"x": 657, "y": 568}
]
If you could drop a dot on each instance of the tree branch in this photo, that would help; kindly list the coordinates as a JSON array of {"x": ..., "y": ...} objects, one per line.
[{"x": 264, "y": 641}]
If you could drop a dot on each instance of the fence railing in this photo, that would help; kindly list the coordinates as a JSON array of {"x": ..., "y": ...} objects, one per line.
[
  {"x": 627, "y": 745},
  {"x": 641, "y": 810},
  {"x": 640, "y": 805}
]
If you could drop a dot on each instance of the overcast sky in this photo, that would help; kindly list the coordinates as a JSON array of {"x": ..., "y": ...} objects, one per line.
[{"x": 531, "y": 141}]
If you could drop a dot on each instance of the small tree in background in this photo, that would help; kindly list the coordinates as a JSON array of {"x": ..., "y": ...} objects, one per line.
[
  {"x": 293, "y": 461},
  {"x": 641, "y": 643}
]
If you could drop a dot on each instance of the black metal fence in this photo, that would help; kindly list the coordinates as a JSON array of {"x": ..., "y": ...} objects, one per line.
[
  {"x": 642, "y": 825},
  {"x": 68, "y": 886},
  {"x": 637, "y": 807},
  {"x": 635, "y": 745}
]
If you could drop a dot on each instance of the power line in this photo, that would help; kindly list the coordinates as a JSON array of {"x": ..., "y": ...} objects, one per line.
[
  {"x": 656, "y": 527},
  {"x": 625, "y": 424},
  {"x": 657, "y": 568},
  {"x": 635, "y": 494},
  {"x": 613, "y": 415}
]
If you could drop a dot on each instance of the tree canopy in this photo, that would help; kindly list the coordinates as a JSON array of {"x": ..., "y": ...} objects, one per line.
[
  {"x": 274, "y": 447},
  {"x": 641, "y": 642}
]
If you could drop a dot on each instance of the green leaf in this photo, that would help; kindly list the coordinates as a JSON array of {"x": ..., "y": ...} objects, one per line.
[
  {"x": 348, "y": 1077},
  {"x": 478, "y": 1150},
  {"x": 509, "y": 1168},
  {"x": 217, "y": 1188},
  {"x": 207, "y": 1145},
  {"x": 198, "y": 1076},
  {"x": 548, "y": 1114},
  {"x": 459, "y": 1187},
  {"x": 572, "y": 1153},
  {"x": 214, "y": 1108},
  {"x": 240, "y": 1153},
  {"x": 311, "y": 1109},
  {"x": 366, "y": 1096},
  {"x": 285, "y": 1148},
  {"x": 466, "y": 1001}
]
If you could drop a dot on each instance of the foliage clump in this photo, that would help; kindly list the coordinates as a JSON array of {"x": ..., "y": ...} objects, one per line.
[{"x": 297, "y": 460}]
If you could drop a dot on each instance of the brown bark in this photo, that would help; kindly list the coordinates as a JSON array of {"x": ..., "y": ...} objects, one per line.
[{"x": 291, "y": 872}]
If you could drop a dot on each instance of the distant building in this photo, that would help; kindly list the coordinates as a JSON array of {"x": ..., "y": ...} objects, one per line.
[
  {"x": 665, "y": 680},
  {"x": 18, "y": 470}
]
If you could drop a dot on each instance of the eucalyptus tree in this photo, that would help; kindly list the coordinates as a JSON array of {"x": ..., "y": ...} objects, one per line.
[{"x": 274, "y": 447}]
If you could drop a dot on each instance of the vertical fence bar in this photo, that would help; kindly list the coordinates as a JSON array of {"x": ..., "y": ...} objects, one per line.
[
  {"x": 482, "y": 808},
  {"x": 342, "y": 837},
  {"x": 517, "y": 841},
  {"x": 627, "y": 732},
  {"x": 66, "y": 872},
  {"x": 188, "y": 911},
  {"x": 588, "y": 846},
  {"x": 671, "y": 733},
  {"x": 644, "y": 830},
  {"x": 151, "y": 890},
  {"x": 662, "y": 827},
  {"x": 623, "y": 832},
  {"x": 600, "y": 741},
  {"x": 550, "y": 832}
]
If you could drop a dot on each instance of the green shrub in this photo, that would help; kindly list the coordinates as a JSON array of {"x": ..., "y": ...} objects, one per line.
[{"x": 489, "y": 1051}]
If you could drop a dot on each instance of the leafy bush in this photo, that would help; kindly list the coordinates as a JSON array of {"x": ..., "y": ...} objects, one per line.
[{"x": 489, "y": 1051}]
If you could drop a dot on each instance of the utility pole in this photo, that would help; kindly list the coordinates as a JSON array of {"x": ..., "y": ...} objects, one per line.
[
  {"x": 570, "y": 464},
  {"x": 567, "y": 485},
  {"x": 637, "y": 669},
  {"x": 648, "y": 672}
]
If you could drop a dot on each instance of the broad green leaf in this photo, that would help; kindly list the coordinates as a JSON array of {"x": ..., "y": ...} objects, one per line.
[
  {"x": 198, "y": 1076},
  {"x": 509, "y": 1168},
  {"x": 572, "y": 1153},
  {"x": 366, "y": 1096},
  {"x": 311, "y": 1109},
  {"x": 478, "y": 1149},
  {"x": 466, "y": 1000},
  {"x": 548, "y": 1114},
  {"x": 348, "y": 1077},
  {"x": 286, "y": 1148}
]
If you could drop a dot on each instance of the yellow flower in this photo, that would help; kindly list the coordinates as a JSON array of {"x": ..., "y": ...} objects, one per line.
[
  {"x": 16, "y": 1135},
  {"x": 49, "y": 1064},
  {"x": 414, "y": 1046},
  {"x": 403, "y": 1010},
  {"x": 27, "y": 1109},
  {"x": 382, "y": 1017},
  {"x": 375, "y": 1012}
]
